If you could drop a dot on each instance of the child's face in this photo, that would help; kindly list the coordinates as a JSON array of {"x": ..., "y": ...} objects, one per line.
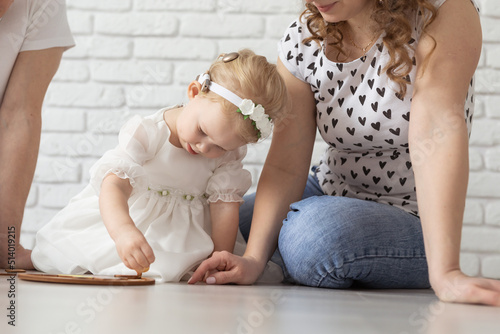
[{"x": 204, "y": 129}]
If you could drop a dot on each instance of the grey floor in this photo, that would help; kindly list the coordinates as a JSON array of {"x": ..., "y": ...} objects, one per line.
[{"x": 178, "y": 308}]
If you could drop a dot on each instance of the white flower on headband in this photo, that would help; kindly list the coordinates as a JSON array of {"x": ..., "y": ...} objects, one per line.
[
  {"x": 247, "y": 107},
  {"x": 256, "y": 113},
  {"x": 264, "y": 126}
]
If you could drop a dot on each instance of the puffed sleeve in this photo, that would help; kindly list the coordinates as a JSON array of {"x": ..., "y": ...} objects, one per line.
[
  {"x": 229, "y": 181},
  {"x": 138, "y": 142}
]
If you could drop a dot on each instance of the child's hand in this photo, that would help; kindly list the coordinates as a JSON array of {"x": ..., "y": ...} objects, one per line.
[{"x": 133, "y": 249}]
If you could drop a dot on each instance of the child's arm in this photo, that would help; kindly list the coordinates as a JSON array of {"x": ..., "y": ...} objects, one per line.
[
  {"x": 131, "y": 244},
  {"x": 225, "y": 218}
]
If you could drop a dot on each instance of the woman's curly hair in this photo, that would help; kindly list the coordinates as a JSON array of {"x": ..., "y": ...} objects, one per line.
[{"x": 392, "y": 17}]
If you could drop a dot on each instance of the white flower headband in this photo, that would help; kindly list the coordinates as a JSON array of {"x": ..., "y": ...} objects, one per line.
[{"x": 256, "y": 112}]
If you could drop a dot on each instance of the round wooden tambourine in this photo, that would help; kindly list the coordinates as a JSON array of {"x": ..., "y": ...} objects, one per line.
[{"x": 88, "y": 279}]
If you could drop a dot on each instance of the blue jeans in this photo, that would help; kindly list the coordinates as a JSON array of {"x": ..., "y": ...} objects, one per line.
[{"x": 340, "y": 242}]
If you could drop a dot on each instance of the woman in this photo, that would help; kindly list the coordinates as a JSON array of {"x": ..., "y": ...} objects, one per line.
[{"x": 357, "y": 69}]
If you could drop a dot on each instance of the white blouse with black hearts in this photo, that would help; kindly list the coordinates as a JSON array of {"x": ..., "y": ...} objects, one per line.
[{"x": 362, "y": 118}]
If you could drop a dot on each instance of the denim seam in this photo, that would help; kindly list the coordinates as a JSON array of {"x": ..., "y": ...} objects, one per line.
[{"x": 329, "y": 272}]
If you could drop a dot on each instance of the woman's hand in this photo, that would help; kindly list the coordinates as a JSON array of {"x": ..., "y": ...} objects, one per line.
[
  {"x": 133, "y": 249},
  {"x": 456, "y": 287},
  {"x": 224, "y": 267}
]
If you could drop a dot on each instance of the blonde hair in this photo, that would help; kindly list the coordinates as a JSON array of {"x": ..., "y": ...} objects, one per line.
[
  {"x": 250, "y": 76},
  {"x": 392, "y": 17}
]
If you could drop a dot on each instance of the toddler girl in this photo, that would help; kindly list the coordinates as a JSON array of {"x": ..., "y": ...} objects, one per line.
[{"x": 168, "y": 195}]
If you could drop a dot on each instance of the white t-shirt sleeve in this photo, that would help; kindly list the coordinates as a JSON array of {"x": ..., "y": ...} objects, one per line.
[
  {"x": 48, "y": 26},
  {"x": 296, "y": 55},
  {"x": 289, "y": 48}
]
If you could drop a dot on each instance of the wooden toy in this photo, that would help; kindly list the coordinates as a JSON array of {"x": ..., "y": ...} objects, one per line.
[
  {"x": 15, "y": 270},
  {"x": 89, "y": 279},
  {"x": 11, "y": 272}
]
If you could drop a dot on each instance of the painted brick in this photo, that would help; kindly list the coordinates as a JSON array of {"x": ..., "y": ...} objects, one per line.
[
  {"x": 87, "y": 163},
  {"x": 473, "y": 214},
  {"x": 154, "y": 96},
  {"x": 76, "y": 145},
  {"x": 136, "y": 24},
  {"x": 470, "y": 264},
  {"x": 490, "y": 7},
  {"x": 32, "y": 199},
  {"x": 487, "y": 81},
  {"x": 491, "y": 267},
  {"x": 171, "y": 5},
  {"x": 493, "y": 213},
  {"x": 56, "y": 196},
  {"x": 97, "y": 5},
  {"x": 175, "y": 48},
  {"x": 185, "y": 72},
  {"x": 491, "y": 104},
  {"x": 55, "y": 119},
  {"x": 486, "y": 132},
  {"x": 484, "y": 184},
  {"x": 475, "y": 159},
  {"x": 491, "y": 29},
  {"x": 260, "y": 6},
  {"x": 477, "y": 239},
  {"x": 492, "y": 159},
  {"x": 230, "y": 26},
  {"x": 84, "y": 95},
  {"x": 57, "y": 170},
  {"x": 479, "y": 108},
  {"x": 70, "y": 70},
  {"x": 131, "y": 72},
  {"x": 80, "y": 51},
  {"x": 107, "y": 121},
  {"x": 80, "y": 23},
  {"x": 110, "y": 47},
  {"x": 492, "y": 58}
]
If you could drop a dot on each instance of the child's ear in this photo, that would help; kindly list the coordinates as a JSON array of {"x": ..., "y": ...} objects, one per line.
[{"x": 194, "y": 89}]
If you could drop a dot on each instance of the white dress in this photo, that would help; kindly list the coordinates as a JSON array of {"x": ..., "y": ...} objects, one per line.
[{"x": 169, "y": 205}]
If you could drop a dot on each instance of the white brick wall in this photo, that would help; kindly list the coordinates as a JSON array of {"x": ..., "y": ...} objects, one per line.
[{"x": 135, "y": 56}]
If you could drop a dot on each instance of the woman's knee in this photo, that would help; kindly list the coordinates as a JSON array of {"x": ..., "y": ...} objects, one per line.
[
  {"x": 334, "y": 242},
  {"x": 308, "y": 243},
  {"x": 318, "y": 220}
]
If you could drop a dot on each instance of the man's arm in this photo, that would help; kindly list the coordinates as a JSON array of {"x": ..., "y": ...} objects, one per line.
[{"x": 20, "y": 128}]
